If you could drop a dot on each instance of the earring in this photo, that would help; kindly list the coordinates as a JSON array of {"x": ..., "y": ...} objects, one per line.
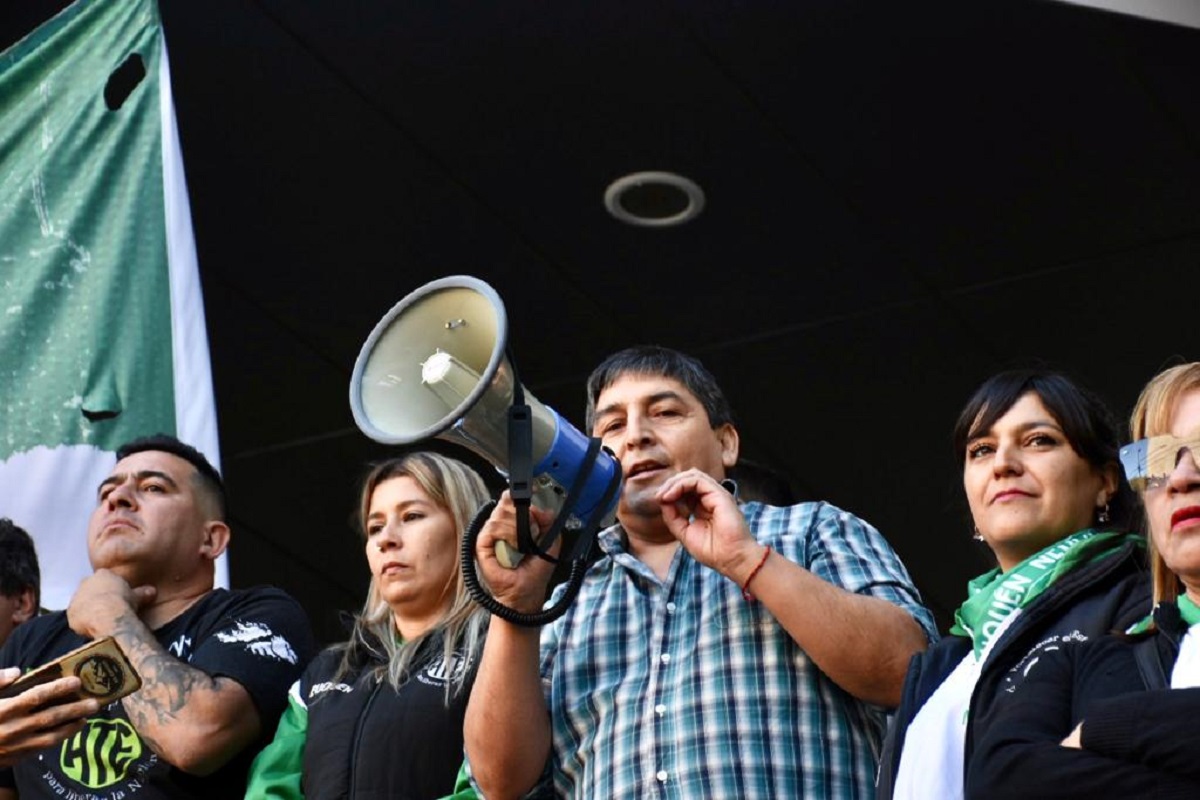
[
  {"x": 379, "y": 546},
  {"x": 1104, "y": 517},
  {"x": 978, "y": 536}
]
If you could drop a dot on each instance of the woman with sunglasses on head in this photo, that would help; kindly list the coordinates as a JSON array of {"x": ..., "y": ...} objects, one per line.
[
  {"x": 1117, "y": 717},
  {"x": 381, "y": 715},
  {"x": 1039, "y": 462}
]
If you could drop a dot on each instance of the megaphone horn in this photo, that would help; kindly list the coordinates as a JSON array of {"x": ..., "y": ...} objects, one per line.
[{"x": 436, "y": 365}]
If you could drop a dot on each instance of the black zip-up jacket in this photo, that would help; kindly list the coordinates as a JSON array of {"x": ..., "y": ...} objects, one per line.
[
  {"x": 1109, "y": 594},
  {"x": 367, "y": 741},
  {"x": 1139, "y": 736}
]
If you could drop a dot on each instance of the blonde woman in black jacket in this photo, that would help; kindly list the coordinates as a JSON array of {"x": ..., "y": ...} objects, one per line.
[{"x": 382, "y": 715}]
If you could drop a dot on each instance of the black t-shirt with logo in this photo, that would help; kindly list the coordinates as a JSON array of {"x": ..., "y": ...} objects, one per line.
[{"x": 258, "y": 637}]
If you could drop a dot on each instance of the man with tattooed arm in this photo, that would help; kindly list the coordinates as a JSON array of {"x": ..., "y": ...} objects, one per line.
[{"x": 215, "y": 664}]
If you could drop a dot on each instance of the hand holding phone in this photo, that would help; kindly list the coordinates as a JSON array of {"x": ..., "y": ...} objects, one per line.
[
  {"x": 45, "y": 706},
  {"x": 103, "y": 670}
]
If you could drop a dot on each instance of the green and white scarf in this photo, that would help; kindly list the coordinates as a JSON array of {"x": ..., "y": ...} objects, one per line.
[
  {"x": 1187, "y": 609},
  {"x": 994, "y": 596}
]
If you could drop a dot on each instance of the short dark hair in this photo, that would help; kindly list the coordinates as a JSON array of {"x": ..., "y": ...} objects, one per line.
[
  {"x": 1089, "y": 426},
  {"x": 655, "y": 360},
  {"x": 18, "y": 561},
  {"x": 210, "y": 479}
]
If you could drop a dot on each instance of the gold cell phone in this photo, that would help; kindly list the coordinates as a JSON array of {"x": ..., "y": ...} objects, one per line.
[{"x": 101, "y": 666}]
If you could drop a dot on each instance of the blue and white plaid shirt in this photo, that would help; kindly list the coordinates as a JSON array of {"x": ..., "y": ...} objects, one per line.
[{"x": 682, "y": 689}]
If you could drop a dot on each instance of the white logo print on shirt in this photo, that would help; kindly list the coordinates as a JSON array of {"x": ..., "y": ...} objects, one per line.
[
  {"x": 260, "y": 640},
  {"x": 181, "y": 647}
]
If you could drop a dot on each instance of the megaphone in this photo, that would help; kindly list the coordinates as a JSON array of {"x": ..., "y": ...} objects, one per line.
[{"x": 437, "y": 365}]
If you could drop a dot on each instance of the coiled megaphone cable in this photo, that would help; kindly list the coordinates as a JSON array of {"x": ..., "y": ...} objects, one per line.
[
  {"x": 494, "y": 606},
  {"x": 582, "y": 556}
]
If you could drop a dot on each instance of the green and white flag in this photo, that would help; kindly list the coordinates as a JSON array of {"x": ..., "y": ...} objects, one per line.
[{"x": 102, "y": 335}]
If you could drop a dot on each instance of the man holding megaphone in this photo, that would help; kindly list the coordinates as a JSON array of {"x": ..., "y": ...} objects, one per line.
[{"x": 717, "y": 649}]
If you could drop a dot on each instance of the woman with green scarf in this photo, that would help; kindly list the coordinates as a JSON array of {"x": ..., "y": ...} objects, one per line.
[
  {"x": 1042, "y": 479},
  {"x": 1117, "y": 717}
]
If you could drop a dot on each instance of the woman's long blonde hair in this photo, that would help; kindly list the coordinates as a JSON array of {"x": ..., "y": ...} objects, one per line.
[
  {"x": 1152, "y": 416},
  {"x": 457, "y": 488}
]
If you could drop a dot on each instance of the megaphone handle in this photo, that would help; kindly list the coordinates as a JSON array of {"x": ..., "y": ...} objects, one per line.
[
  {"x": 494, "y": 606},
  {"x": 508, "y": 556}
]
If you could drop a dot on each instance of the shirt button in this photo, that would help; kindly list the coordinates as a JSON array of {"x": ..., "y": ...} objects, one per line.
[
  {"x": 661, "y": 775},
  {"x": 660, "y": 709},
  {"x": 670, "y": 608},
  {"x": 665, "y": 658}
]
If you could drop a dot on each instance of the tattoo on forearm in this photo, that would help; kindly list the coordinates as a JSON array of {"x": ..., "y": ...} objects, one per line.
[{"x": 168, "y": 684}]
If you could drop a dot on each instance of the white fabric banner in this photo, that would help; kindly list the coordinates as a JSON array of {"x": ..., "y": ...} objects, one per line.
[{"x": 102, "y": 330}]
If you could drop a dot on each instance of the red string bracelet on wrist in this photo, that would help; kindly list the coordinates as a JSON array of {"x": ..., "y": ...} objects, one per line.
[{"x": 746, "y": 586}]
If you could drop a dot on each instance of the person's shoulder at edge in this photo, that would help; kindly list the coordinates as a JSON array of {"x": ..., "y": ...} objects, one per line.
[{"x": 35, "y": 634}]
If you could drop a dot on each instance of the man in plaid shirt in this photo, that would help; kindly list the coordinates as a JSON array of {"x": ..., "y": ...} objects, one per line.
[{"x": 717, "y": 650}]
